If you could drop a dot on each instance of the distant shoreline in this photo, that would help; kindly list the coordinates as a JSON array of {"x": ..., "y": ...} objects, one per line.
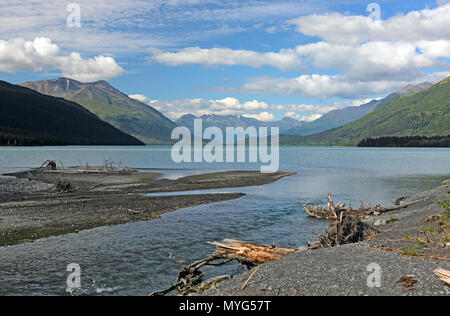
[
  {"x": 169, "y": 145},
  {"x": 407, "y": 141}
]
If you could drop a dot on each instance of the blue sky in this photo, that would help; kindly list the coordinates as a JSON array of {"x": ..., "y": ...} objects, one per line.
[{"x": 266, "y": 59}]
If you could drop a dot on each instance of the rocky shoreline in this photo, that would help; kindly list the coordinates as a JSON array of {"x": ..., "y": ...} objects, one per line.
[{"x": 407, "y": 248}]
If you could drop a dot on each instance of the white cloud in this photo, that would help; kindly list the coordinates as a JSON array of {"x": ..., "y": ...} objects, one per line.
[
  {"x": 285, "y": 59},
  {"x": 41, "y": 54},
  {"x": 430, "y": 24},
  {"x": 174, "y": 109},
  {"x": 359, "y": 102},
  {"x": 235, "y": 104},
  {"x": 140, "y": 98},
  {"x": 326, "y": 86},
  {"x": 105, "y": 25},
  {"x": 372, "y": 58},
  {"x": 393, "y": 50},
  {"x": 310, "y": 118},
  {"x": 377, "y": 60},
  {"x": 125, "y": 25},
  {"x": 93, "y": 69},
  {"x": 264, "y": 116},
  {"x": 304, "y": 118},
  {"x": 305, "y": 108},
  {"x": 271, "y": 29},
  {"x": 435, "y": 49},
  {"x": 317, "y": 86}
]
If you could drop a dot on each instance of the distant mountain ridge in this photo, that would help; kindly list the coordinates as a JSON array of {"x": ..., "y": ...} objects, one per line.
[
  {"x": 224, "y": 121},
  {"x": 112, "y": 106},
  {"x": 426, "y": 113},
  {"x": 341, "y": 117},
  {"x": 30, "y": 118}
]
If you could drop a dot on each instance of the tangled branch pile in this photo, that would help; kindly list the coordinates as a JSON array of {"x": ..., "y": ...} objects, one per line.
[
  {"x": 347, "y": 226},
  {"x": 250, "y": 254},
  {"x": 64, "y": 187},
  {"x": 334, "y": 211},
  {"x": 190, "y": 277},
  {"x": 348, "y": 229}
]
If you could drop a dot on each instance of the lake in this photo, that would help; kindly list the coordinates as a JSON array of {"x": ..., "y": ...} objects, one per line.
[{"x": 136, "y": 259}]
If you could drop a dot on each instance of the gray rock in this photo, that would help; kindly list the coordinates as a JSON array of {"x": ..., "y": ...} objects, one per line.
[{"x": 380, "y": 222}]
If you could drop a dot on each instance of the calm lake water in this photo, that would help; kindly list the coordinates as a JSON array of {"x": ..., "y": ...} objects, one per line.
[{"x": 136, "y": 259}]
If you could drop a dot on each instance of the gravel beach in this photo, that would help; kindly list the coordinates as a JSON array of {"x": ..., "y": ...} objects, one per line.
[{"x": 335, "y": 272}]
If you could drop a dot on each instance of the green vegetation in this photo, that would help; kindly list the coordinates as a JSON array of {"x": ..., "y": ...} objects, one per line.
[
  {"x": 429, "y": 230},
  {"x": 112, "y": 106},
  {"x": 412, "y": 251},
  {"x": 406, "y": 141},
  {"x": 17, "y": 137},
  {"x": 445, "y": 204},
  {"x": 30, "y": 118},
  {"x": 426, "y": 113},
  {"x": 393, "y": 220}
]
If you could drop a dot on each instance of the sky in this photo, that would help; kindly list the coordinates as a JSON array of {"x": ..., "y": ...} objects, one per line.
[{"x": 259, "y": 58}]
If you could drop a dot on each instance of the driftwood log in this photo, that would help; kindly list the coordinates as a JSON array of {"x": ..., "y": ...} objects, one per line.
[
  {"x": 444, "y": 275},
  {"x": 48, "y": 165},
  {"x": 190, "y": 278},
  {"x": 250, "y": 254}
]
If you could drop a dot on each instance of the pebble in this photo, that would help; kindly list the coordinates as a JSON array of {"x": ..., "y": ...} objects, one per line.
[{"x": 380, "y": 222}]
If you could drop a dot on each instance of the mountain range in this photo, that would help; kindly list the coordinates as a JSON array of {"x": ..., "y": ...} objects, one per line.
[
  {"x": 30, "y": 118},
  {"x": 224, "y": 121},
  {"x": 426, "y": 113},
  {"x": 65, "y": 110},
  {"x": 112, "y": 106},
  {"x": 341, "y": 117}
]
